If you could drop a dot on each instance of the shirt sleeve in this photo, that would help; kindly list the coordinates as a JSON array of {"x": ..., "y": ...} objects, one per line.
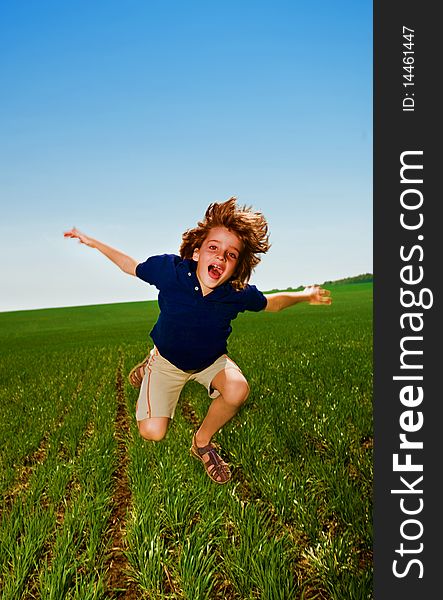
[
  {"x": 157, "y": 270},
  {"x": 254, "y": 299}
]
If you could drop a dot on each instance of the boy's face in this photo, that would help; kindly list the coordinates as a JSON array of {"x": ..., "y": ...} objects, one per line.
[{"x": 218, "y": 258}]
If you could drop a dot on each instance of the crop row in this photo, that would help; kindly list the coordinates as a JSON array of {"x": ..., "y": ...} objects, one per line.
[{"x": 55, "y": 512}]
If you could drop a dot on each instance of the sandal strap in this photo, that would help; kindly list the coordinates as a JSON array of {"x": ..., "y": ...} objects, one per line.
[
  {"x": 137, "y": 373},
  {"x": 203, "y": 449},
  {"x": 216, "y": 461},
  {"x": 215, "y": 464}
]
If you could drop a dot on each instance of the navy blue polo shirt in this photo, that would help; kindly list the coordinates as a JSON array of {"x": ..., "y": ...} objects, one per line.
[{"x": 192, "y": 330}]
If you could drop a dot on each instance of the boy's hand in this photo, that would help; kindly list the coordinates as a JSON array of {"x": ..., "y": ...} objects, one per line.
[
  {"x": 81, "y": 237},
  {"x": 317, "y": 295}
]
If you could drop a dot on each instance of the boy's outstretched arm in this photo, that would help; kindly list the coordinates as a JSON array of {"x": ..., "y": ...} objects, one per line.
[
  {"x": 314, "y": 294},
  {"x": 125, "y": 262}
]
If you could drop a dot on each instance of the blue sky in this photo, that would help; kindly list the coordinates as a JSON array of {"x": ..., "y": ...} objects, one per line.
[{"x": 126, "y": 119}]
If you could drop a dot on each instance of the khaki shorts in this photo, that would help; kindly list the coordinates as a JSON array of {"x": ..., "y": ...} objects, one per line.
[{"x": 163, "y": 382}]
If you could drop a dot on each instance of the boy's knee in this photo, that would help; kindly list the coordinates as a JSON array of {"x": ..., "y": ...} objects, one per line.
[
  {"x": 244, "y": 392},
  {"x": 237, "y": 393},
  {"x": 151, "y": 431}
]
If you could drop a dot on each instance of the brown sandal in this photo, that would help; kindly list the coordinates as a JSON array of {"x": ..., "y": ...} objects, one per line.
[
  {"x": 215, "y": 467},
  {"x": 136, "y": 374}
]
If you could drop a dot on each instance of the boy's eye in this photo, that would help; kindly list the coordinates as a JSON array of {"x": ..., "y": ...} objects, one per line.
[
  {"x": 232, "y": 256},
  {"x": 212, "y": 247}
]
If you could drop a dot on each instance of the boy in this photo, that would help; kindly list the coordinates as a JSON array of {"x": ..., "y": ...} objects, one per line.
[{"x": 200, "y": 293}]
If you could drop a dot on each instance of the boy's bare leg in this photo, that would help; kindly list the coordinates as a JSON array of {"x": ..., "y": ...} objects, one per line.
[{"x": 234, "y": 391}]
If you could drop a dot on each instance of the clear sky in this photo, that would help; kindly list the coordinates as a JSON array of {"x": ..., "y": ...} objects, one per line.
[{"x": 126, "y": 119}]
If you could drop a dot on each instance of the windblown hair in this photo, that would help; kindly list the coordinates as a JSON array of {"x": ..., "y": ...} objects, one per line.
[{"x": 251, "y": 228}]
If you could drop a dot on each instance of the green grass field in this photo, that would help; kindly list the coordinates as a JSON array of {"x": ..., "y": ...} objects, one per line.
[{"x": 89, "y": 510}]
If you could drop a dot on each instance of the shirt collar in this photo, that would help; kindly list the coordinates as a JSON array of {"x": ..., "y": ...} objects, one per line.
[{"x": 219, "y": 292}]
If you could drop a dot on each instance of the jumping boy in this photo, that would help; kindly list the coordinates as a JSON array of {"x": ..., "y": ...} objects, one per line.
[{"x": 200, "y": 293}]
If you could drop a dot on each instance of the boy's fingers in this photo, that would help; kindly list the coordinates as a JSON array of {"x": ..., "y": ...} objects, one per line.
[{"x": 71, "y": 233}]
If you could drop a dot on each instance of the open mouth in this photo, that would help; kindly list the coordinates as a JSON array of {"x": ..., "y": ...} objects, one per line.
[{"x": 215, "y": 271}]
